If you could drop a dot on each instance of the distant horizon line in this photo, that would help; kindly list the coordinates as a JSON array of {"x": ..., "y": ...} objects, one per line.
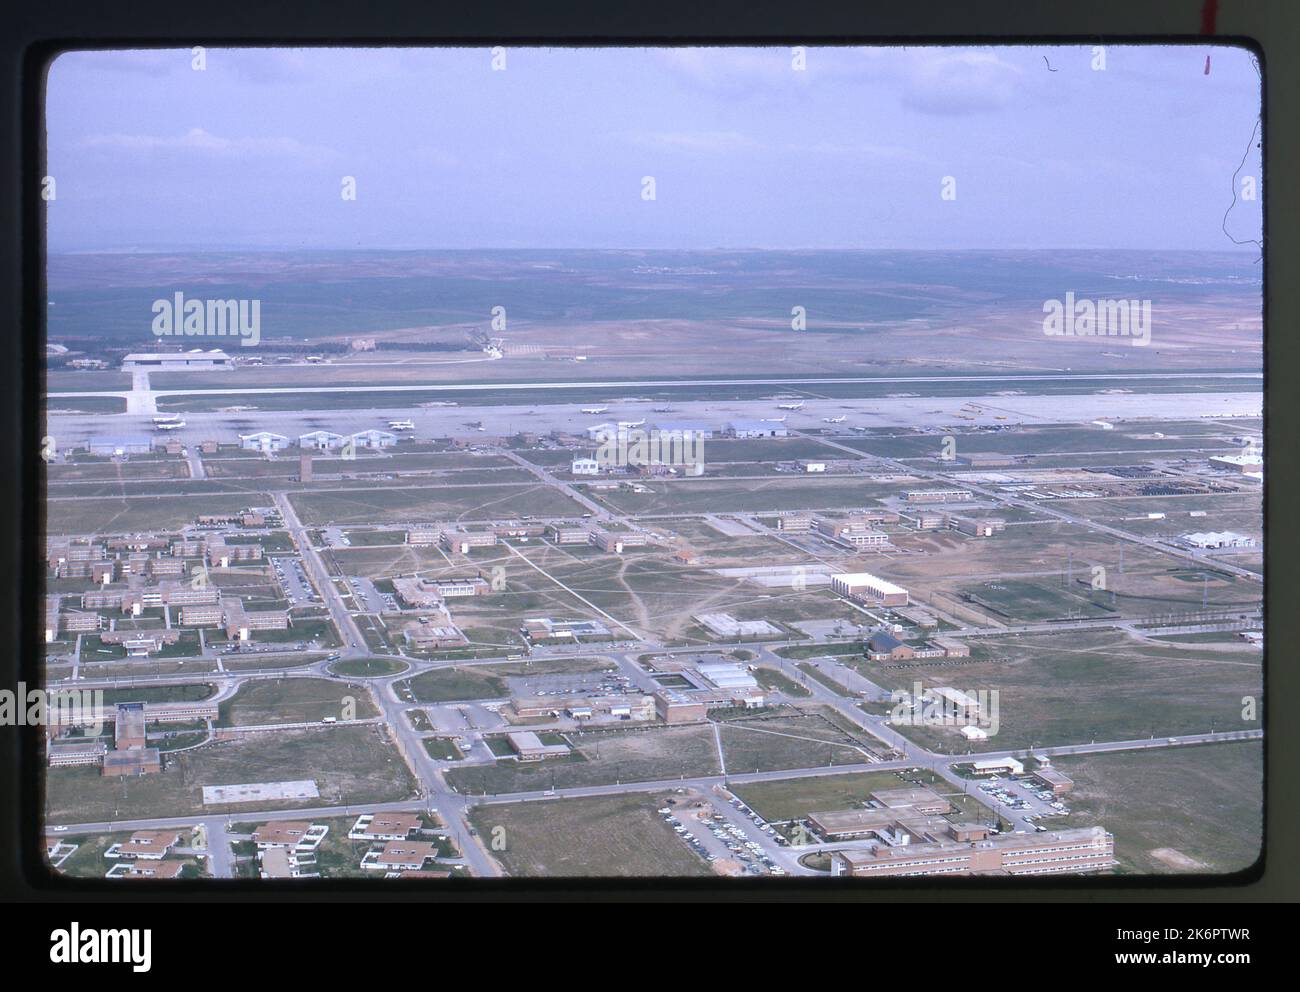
[{"x": 1229, "y": 250}]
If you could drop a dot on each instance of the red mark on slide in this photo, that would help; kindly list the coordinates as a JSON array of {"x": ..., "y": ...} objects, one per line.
[{"x": 1209, "y": 14}]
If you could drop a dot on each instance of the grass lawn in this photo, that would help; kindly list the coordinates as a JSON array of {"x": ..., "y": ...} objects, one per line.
[
  {"x": 1182, "y": 809},
  {"x": 447, "y": 684},
  {"x": 600, "y": 758},
  {"x": 367, "y": 668},
  {"x": 293, "y": 700},
  {"x": 188, "y": 693},
  {"x": 793, "y": 798},
  {"x": 608, "y": 836},
  {"x": 788, "y": 741},
  {"x": 1077, "y": 687},
  {"x": 442, "y": 749},
  {"x": 774, "y": 681},
  {"x": 351, "y": 765}
]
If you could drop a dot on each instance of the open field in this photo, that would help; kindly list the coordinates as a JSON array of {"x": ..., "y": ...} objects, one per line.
[
  {"x": 349, "y": 764},
  {"x": 600, "y": 757},
  {"x": 788, "y": 741},
  {"x": 1081, "y": 686},
  {"x": 705, "y": 495},
  {"x": 794, "y": 798},
  {"x": 185, "y": 693},
  {"x": 443, "y": 685},
  {"x": 416, "y": 504},
  {"x": 369, "y": 668},
  {"x": 1195, "y": 809},
  {"x": 616, "y": 835},
  {"x": 141, "y": 513},
  {"x": 294, "y": 700}
]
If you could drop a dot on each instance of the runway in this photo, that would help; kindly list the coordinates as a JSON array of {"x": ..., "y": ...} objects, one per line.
[{"x": 925, "y": 412}]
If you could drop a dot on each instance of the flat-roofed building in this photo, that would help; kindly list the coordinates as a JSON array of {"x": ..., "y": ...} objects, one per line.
[
  {"x": 869, "y": 588},
  {"x": 616, "y": 542},
  {"x": 585, "y": 466},
  {"x": 209, "y": 615},
  {"x": 241, "y": 623},
  {"x": 222, "y": 555},
  {"x": 794, "y": 523},
  {"x": 423, "y": 536},
  {"x": 79, "y": 622},
  {"x": 920, "y": 800},
  {"x": 976, "y": 527},
  {"x": 544, "y": 629},
  {"x": 1250, "y": 462},
  {"x": 568, "y": 535},
  {"x": 166, "y": 568},
  {"x": 998, "y": 766},
  {"x": 985, "y": 459},
  {"x": 135, "y": 761},
  {"x": 461, "y": 542},
  {"x": 114, "y": 445},
  {"x": 529, "y": 747},
  {"x": 672, "y": 706},
  {"x": 938, "y": 496},
  {"x": 950, "y": 647},
  {"x": 129, "y": 726},
  {"x": 196, "y": 358},
  {"x": 416, "y": 591},
  {"x": 62, "y": 755},
  {"x": 277, "y": 862},
  {"x": 432, "y": 637},
  {"x": 1058, "y": 782},
  {"x": 459, "y": 588},
  {"x": 756, "y": 428},
  {"x": 1078, "y": 851},
  {"x": 139, "y": 643}
]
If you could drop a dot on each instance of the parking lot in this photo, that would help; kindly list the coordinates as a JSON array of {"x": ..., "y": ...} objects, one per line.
[{"x": 1019, "y": 797}]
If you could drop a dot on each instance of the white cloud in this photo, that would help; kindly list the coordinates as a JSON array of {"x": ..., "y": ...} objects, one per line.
[
  {"x": 696, "y": 141},
  {"x": 200, "y": 141},
  {"x": 959, "y": 83}
]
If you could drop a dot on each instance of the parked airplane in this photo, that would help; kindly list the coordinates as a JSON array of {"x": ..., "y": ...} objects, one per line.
[
  {"x": 834, "y": 420},
  {"x": 168, "y": 425},
  {"x": 629, "y": 424},
  {"x": 594, "y": 409},
  {"x": 774, "y": 420},
  {"x": 790, "y": 406},
  {"x": 401, "y": 425}
]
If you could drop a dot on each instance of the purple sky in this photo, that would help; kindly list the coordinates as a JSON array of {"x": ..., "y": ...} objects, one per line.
[{"x": 746, "y": 152}]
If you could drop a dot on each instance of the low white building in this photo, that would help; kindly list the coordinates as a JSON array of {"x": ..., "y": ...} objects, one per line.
[
  {"x": 1219, "y": 539},
  {"x": 585, "y": 466},
  {"x": 998, "y": 766},
  {"x": 320, "y": 440},
  {"x": 374, "y": 439},
  {"x": 263, "y": 441}
]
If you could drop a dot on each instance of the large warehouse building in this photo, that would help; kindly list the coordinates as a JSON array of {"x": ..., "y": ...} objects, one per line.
[
  {"x": 179, "y": 360},
  {"x": 868, "y": 588}
]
